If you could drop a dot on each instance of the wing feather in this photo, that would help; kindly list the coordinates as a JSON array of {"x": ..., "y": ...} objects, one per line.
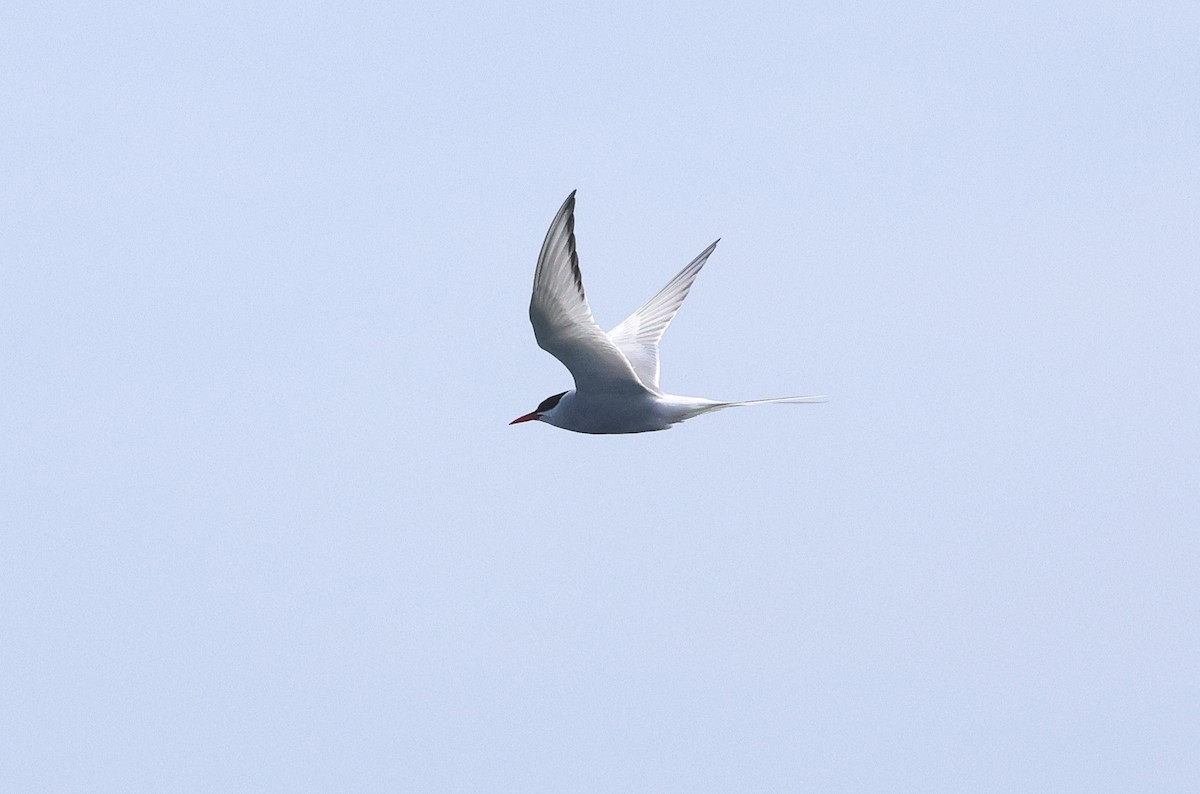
[
  {"x": 562, "y": 320},
  {"x": 639, "y": 334}
]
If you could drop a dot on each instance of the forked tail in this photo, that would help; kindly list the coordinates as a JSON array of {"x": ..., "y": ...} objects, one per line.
[
  {"x": 717, "y": 406},
  {"x": 814, "y": 398}
]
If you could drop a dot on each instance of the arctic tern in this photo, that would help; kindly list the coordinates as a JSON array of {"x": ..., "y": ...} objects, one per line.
[{"x": 616, "y": 374}]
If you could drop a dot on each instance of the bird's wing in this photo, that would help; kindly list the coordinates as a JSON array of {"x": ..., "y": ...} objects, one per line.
[
  {"x": 638, "y": 335},
  {"x": 563, "y": 323}
]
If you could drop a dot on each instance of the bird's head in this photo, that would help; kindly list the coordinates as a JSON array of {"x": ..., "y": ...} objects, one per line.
[{"x": 545, "y": 408}]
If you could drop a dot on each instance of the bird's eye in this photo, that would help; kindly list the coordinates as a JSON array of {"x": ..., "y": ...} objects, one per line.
[{"x": 549, "y": 403}]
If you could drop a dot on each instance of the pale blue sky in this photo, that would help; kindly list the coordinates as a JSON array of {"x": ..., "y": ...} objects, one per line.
[{"x": 263, "y": 285}]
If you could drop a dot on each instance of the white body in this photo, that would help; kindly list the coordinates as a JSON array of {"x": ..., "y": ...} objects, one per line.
[
  {"x": 616, "y": 374},
  {"x": 607, "y": 413},
  {"x": 611, "y": 413}
]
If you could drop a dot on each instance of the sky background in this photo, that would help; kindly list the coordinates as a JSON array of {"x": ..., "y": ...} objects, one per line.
[{"x": 264, "y": 275}]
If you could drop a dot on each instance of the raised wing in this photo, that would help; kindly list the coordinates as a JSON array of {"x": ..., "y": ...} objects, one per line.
[
  {"x": 639, "y": 334},
  {"x": 563, "y": 322}
]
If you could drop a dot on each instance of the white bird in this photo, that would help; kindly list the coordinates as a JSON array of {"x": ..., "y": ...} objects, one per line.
[{"x": 616, "y": 374}]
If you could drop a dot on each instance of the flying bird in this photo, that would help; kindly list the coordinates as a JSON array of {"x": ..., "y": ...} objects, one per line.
[{"x": 616, "y": 374}]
